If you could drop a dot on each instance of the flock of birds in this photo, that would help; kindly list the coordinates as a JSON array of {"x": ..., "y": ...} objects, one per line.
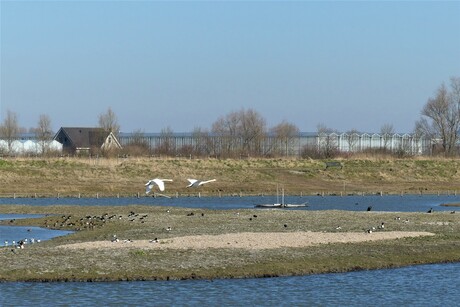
[
  {"x": 21, "y": 243},
  {"x": 160, "y": 183}
]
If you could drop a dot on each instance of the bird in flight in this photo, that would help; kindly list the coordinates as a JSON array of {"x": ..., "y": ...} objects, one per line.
[
  {"x": 159, "y": 182},
  {"x": 194, "y": 183}
]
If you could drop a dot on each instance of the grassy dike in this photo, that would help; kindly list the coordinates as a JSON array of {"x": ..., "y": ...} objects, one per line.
[
  {"x": 87, "y": 177},
  {"x": 70, "y": 177}
]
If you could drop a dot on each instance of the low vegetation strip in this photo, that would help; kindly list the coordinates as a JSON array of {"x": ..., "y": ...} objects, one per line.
[
  {"x": 248, "y": 240},
  {"x": 222, "y": 243}
]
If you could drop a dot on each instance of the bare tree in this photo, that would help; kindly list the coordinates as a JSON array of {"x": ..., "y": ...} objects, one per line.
[
  {"x": 286, "y": 134},
  {"x": 352, "y": 138},
  {"x": 166, "y": 146},
  {"x": 252, "y": 131},
  {"x": 441, "y": 116},
  {"x": 226, "y": 131},
  {"x": 202, "y": 142},
  {"x": 10, "y": 129},
  {"x": 44, "y": 133},
  {"x": 109, "y": 122},
  {"x": 386, "y": 131},
  {"x": 327, "y": 141},
  {"x": 239, "y": 132}
]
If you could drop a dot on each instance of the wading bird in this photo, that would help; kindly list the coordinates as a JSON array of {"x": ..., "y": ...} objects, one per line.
[
  {"x": 194, "y": 183},
  {"x": 159, "y": 182}
]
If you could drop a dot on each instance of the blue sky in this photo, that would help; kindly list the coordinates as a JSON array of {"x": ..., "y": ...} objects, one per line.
[{"x": 183, "y": 64}]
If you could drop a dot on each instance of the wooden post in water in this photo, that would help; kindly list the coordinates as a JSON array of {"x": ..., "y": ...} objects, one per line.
[{"x": 199, "y": 194}]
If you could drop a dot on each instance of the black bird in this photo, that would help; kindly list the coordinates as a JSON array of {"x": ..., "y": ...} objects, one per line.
[
  {"x": 430, "y": 211},
  {"x": 369, "y": 208}
]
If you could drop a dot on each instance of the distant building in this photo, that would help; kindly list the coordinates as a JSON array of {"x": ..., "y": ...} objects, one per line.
[
  {"x": 29, "y": 147},
  {"x": 76, "y": 140}
]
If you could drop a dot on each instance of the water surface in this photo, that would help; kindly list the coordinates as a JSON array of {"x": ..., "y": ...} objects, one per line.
[
  {"x": 406, "y": 203},
  {"x": 423, "y": 285}
]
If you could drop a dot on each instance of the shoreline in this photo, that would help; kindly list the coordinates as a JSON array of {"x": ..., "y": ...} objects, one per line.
[{"x": 211, "y": 244}]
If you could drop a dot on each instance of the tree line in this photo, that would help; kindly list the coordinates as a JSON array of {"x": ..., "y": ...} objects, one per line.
[{"x": 244, "y": 132}]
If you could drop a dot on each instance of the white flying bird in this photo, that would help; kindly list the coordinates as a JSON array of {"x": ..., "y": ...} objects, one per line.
[
  {"x": 159, "y": 182},
  {"x": 194, "y": 183}
]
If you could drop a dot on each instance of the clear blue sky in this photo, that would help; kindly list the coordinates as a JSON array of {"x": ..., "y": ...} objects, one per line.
[{"x": 183, "y": 64}]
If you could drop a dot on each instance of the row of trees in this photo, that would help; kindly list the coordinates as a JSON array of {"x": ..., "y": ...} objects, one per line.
[{"x": 241, "y": 132}]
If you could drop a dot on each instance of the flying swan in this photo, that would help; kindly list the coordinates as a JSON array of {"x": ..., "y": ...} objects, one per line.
[
  {"x": 159, "y": 182},
  {"x": 194, "y": 183}
]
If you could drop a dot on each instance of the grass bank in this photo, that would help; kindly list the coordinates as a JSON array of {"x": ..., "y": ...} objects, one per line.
[
  {"x": 126, "y": 177},
  {"x": 46, "y": 261}
]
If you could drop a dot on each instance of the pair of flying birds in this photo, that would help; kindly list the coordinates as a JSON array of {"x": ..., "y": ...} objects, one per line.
[{"x": 193, "y": 183}]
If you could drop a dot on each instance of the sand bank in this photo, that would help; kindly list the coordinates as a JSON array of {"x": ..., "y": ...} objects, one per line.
[{"x": 249, "y": 240}]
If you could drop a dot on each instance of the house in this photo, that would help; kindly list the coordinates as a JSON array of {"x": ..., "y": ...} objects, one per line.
[{"x": 86, "y": 140}]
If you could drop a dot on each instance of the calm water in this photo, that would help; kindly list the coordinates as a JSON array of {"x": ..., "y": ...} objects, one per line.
[
  {"x": 425, "y": 285},
  {"x": 16, "y": 233},
  {"x": 406, "y": 203}
]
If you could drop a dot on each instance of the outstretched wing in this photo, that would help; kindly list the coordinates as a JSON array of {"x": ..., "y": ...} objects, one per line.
[
  {"x": 160, "y": 184},
  {"x": 192, "y": 182},
  {"x": 207, "y": 181}
]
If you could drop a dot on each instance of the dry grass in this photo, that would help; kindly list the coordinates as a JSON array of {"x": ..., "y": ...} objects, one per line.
[{"x": 126, "y": 177}]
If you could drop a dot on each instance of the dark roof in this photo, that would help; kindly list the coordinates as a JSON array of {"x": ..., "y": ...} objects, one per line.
[{"x": 84, "y": 137}]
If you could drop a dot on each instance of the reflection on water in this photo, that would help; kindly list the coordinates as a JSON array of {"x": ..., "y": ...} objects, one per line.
[{"x": 424, "y": 285}]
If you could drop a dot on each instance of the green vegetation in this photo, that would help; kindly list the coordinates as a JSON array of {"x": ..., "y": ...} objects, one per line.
[{"x": 45, "y": 261}]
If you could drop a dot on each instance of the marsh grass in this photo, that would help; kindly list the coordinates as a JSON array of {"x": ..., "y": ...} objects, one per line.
[{"x": 45, "y": 261}]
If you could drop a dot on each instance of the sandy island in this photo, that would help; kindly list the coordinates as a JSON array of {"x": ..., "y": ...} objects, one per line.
[{"x": 248, "y": 240}]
